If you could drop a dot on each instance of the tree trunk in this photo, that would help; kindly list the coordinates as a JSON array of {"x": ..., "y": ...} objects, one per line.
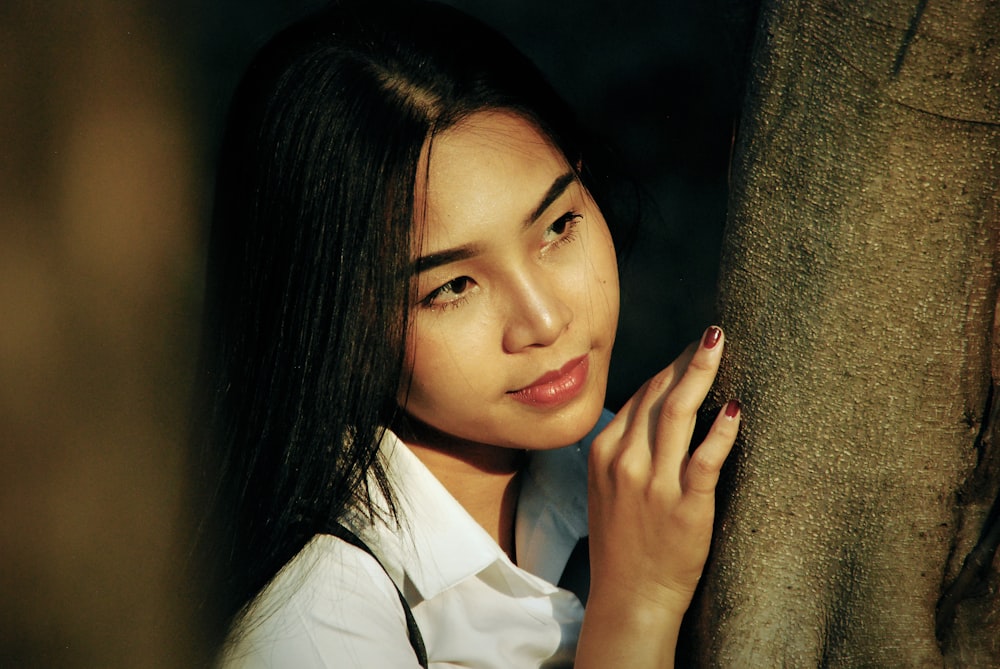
[{"x": 859, "y": 295}]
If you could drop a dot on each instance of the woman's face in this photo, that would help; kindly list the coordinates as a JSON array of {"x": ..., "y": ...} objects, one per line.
[{"x": 517, "y": 290}]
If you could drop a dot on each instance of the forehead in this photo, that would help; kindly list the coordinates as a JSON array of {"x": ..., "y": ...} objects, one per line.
[
  {"x": 491, "y": 165},
  {"x": 503, "y": 130}
]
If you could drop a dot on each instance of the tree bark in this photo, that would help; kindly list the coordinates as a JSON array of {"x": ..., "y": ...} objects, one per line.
[{"x": 859, "y": 295}]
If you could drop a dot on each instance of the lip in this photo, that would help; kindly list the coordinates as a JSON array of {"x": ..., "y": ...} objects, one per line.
[{"x": 556, "y": 387}]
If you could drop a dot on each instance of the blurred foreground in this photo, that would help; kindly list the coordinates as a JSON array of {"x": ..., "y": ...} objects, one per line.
[{"x": 97, "y": 220}]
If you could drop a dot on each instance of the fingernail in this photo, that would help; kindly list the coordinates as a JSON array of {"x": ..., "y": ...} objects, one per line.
[
  {"x": 732, "y": 409},
  {"x": 711, "y": 337}
]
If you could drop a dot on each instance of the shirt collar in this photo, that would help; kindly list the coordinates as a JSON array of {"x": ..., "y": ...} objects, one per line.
[{"x": 438, "y": 544}]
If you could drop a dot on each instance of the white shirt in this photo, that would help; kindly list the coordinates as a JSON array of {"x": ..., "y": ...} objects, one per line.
[{"x": 334, "y": 606}]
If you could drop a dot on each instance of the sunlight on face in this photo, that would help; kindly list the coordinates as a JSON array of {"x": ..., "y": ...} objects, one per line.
[{"x": 517, "y": 290}]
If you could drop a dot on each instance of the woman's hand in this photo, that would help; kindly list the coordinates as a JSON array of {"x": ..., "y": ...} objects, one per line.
[{"x": 651, "y": 512}]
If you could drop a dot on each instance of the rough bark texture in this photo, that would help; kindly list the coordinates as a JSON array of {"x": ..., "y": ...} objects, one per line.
[{"x": 859, "y": 295}]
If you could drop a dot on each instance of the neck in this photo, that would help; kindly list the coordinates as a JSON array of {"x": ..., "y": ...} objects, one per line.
[{"x": 484, "y": 479}]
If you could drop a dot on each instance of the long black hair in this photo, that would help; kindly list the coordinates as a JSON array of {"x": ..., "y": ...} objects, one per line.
[{"x": 309, "y": 260}]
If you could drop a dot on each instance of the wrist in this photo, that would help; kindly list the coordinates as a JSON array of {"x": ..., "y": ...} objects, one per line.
[
  {"x": 629, "y": 631},
  {"x": 653, "y": 601},
  {"x": 658, "y": 615}
]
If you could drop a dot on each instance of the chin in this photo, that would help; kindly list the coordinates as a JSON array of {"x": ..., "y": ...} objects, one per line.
[{"x": 561, "y": 428}]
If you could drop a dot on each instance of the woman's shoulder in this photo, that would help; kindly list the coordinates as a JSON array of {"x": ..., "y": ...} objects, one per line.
[{"x": 331, "y": 605}]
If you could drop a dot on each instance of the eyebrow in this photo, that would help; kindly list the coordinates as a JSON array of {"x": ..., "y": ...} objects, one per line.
[
  {"x": 557, "y": 188},
  {"x": 432, "y": 260}
]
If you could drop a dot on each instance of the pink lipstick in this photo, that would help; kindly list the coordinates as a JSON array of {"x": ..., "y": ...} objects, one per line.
[{"x": 557, "y": 387}]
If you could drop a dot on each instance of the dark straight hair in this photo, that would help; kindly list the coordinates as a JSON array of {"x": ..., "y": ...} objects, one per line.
[{"x": 309, "y": 264}]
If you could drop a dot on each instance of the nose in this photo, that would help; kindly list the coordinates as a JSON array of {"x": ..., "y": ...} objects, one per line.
[{"x": 537, "y": 314}]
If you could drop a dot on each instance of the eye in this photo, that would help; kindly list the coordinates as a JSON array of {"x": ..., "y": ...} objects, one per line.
[
  {"x": 563, "y": 230},
  {"x": 449, "y": 294}
]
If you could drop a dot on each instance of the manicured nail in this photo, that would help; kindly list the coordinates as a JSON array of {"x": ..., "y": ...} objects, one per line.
[
  {"x": 732, "y": 409},
  {"x": 711, "y": 338}
]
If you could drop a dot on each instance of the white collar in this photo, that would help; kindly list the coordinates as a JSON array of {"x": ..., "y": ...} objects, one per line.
[{"x": 439, "y": 544}]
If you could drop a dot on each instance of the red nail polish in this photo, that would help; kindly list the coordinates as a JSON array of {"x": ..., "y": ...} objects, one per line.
[
  {"x": 711, "y": 338},
  {"x": 732, "y": 409}
]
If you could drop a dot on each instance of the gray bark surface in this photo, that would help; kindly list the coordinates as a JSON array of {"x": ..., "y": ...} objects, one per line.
[{"x": 859, "y": 295}]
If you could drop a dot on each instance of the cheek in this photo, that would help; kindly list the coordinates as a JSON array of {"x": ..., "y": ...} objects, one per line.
[
  {"x": 417, "y": 380},
  {"x": 424, "y": 365},
  {"x": 413, "y": 366},
  {"x": 608, "y": 275},
  {"x": 603, "y": 273},
  {"x": 439, "y": 364}
]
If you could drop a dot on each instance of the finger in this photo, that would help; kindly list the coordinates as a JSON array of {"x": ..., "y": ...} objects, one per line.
[
  {"x": 630, "y": 440},
  {"x": 633, "y": 420},
  {"x": 702, "y": 473},
  {"x": 676, "y": 418}
]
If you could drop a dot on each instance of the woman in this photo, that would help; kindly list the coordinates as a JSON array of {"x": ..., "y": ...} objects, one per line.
[{"x": 413, "y": 296}]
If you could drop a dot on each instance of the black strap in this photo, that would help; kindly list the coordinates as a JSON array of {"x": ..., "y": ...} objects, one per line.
[
  {"x": 576, "y": 573},
  {"x": 416, "y": 640}
]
